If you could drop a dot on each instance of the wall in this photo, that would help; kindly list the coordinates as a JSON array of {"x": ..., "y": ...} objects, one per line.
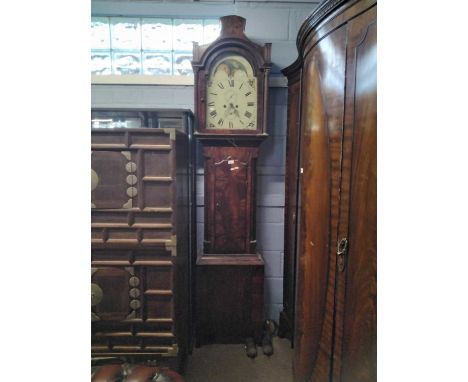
[{"x": 275, "y": 22}]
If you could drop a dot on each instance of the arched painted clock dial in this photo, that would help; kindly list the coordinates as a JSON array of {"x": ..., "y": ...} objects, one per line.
[{"x": 231, "y": 95}]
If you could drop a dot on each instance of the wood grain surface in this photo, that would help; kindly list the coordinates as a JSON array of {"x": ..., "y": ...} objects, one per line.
[{"x": 335, "y": 315}]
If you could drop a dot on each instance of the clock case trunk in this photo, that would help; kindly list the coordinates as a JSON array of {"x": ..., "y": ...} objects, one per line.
[{"x": 229, "y": 272}]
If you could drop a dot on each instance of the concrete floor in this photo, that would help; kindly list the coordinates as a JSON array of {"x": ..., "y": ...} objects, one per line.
[{"x": 229, "y": 363}]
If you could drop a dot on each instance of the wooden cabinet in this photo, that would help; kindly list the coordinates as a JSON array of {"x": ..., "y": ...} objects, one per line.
[
  {"x": 141, "y": 235},
  {"x": 336, "y": 275}
]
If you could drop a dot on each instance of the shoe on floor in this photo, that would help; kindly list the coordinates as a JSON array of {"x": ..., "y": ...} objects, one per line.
[
  {"x": 269, "y": 330},
  {"x": 250, "y": 347},
  {"x": 267, "y": 345}
]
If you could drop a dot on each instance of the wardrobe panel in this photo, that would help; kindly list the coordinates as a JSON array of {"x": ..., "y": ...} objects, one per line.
[
  {"x": 336, "y": 275},
  {"x": 319, "y": 202},
  {"x": 359, "y": 354}
]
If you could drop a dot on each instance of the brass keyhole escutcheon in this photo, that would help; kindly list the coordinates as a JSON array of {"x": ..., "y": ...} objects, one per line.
[
  {"x": 341, "y": 252},
  {"x": 96, "y": 294}
]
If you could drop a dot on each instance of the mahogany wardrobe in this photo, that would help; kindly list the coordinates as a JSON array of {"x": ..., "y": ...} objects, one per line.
[{"x": 330, "y": 296}]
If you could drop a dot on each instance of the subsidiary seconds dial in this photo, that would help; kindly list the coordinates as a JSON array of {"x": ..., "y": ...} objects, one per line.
[{"x": 232, "y": 95}]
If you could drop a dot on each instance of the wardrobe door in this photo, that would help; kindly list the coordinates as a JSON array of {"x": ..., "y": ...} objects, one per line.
[
  {"x": 355, "y": 357},
  {"x": 321, "y": 146},
  {"x": 335, "y": 334}
]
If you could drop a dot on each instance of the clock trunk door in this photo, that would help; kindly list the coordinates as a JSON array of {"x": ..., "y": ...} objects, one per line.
[
  {"x": 230, "y": 193},
  {"x": 229, "y": 188}
]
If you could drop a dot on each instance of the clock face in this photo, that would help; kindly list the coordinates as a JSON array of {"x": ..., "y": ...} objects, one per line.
[{"x": 231, "y": 95}]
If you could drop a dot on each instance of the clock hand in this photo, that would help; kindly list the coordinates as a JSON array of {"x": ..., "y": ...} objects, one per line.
[{"x": 234, "y": 109}]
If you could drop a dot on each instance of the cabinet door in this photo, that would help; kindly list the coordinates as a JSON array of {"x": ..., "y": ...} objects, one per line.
[
  {"x": 133, "y": 295},
  {"x": 110, "y": 293},
  {"x": 336, "y": 286},
  {"x": 229, "y": 189},
  {"x": 321, "y": 146},
  {"x": 355, "y": 357}
]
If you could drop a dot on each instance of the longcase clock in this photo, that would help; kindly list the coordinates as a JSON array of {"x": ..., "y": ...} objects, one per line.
[{"x": 231, "y": 97}]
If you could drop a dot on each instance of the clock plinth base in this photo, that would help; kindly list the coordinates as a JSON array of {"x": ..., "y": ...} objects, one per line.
[{"x": 229, "y": 301}]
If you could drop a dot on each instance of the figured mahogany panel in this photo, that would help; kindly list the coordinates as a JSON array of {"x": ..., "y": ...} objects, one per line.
[
  {"x": 321, "y": 135},
  {"x": 356, "y": 337},
  {"x": 229, "y": 189},
  {"x": 336, "y": 289}
]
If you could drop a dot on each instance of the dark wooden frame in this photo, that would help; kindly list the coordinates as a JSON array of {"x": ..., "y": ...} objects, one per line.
[{"x": 286, "y": 319}]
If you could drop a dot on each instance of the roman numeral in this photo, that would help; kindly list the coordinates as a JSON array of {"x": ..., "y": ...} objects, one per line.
[
  {"x": 231, "y": 83},
  {"x": 220, "y": 122},
  {"x": 221, "y": 86},
  {"x": 213, "y": 113},
  {"x": 251, "y": 82},
  {"x": 248, "y": 93},
  {"x": 211, "y": 103},
  {"x": 250, "y": 103},
  {"x": 230, "y": 125},
  {"x": 251, "y": 124},
  {"x": 248, "y": 114},
  {"x": 214, "y": 93},
  {"x": 212, "y": 126}
]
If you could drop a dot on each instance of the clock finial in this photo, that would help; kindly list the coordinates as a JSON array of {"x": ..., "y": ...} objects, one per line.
[{"x": 232, "y": 26}]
